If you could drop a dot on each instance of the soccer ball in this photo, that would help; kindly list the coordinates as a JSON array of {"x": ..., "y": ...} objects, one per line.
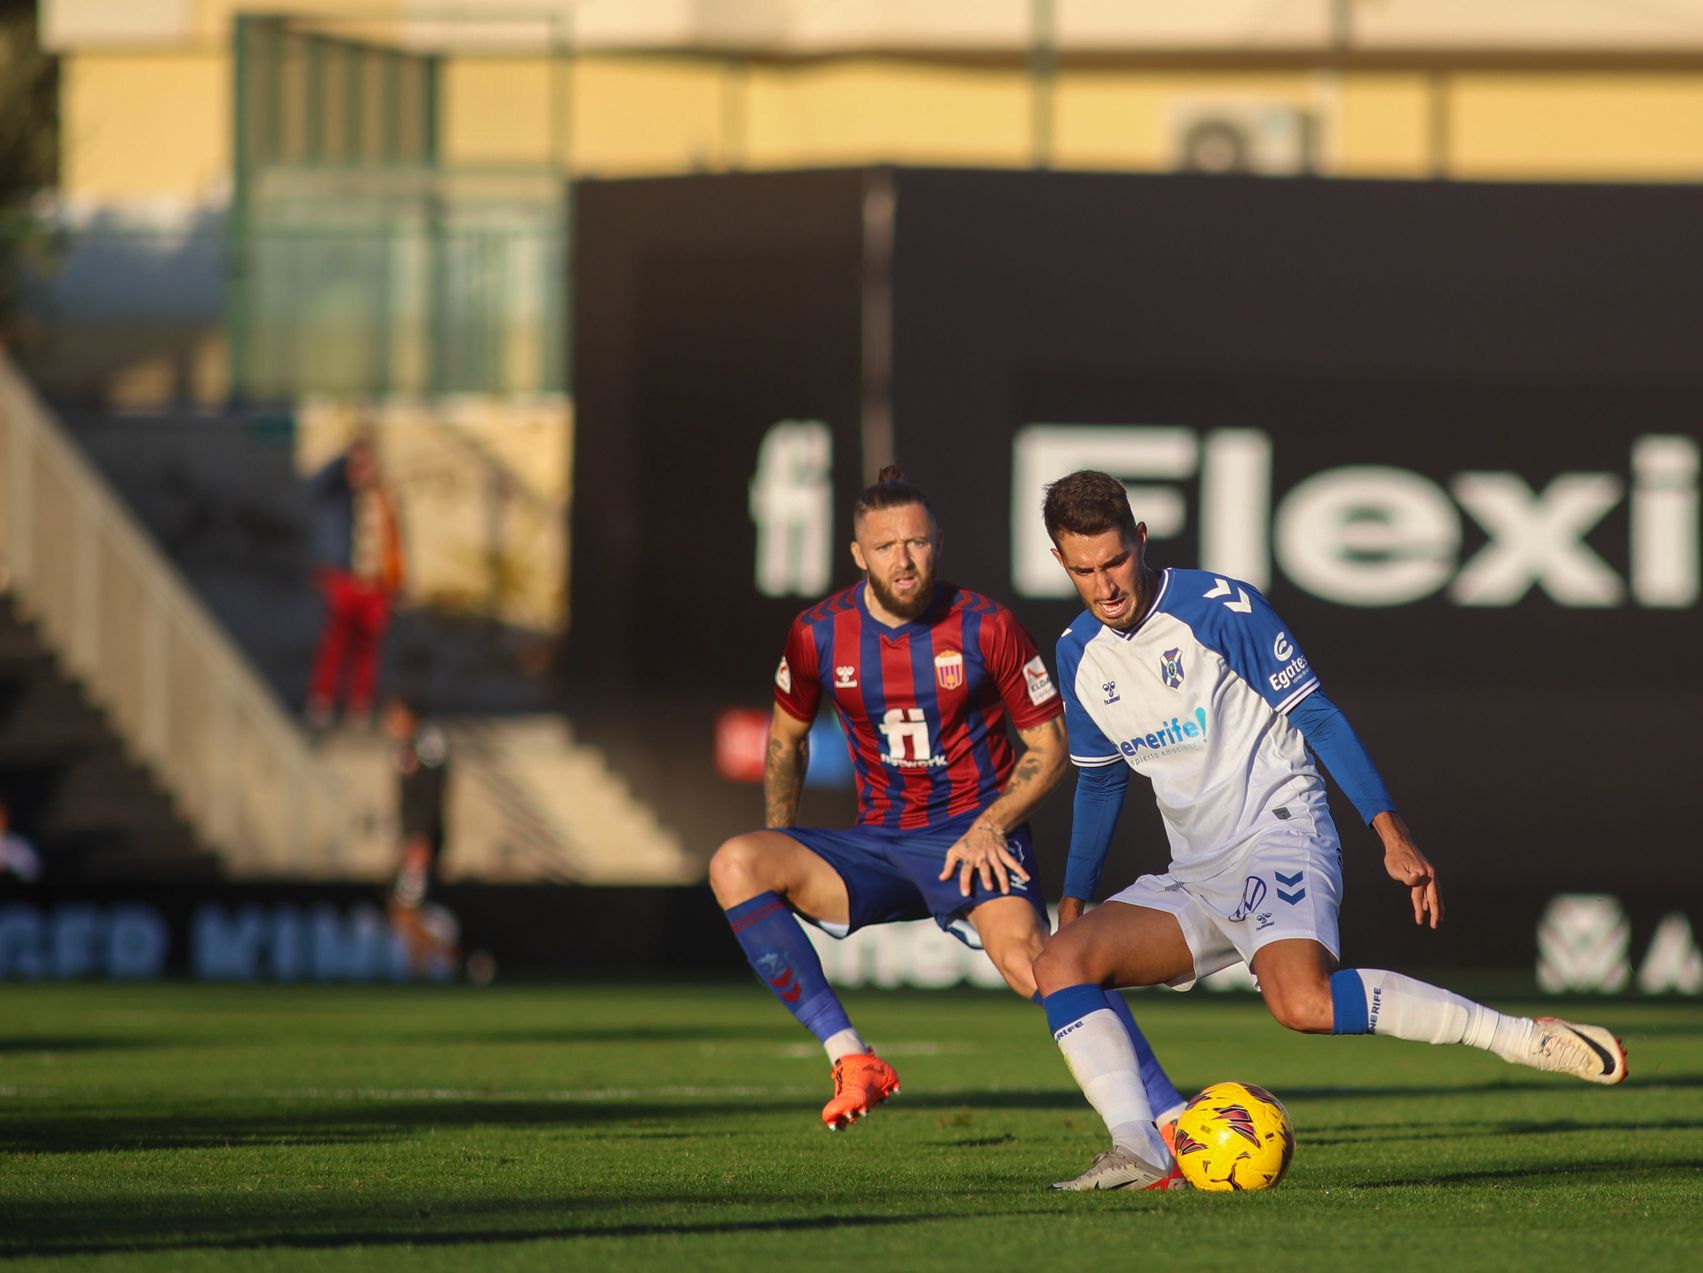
[{"x": 1234, "y": 1136}]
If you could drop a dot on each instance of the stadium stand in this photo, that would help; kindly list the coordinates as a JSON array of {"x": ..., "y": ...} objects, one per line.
[{"x": 92, "y": 811}]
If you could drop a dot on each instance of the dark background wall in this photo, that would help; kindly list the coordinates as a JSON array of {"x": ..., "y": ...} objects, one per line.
[
  {"x": 1435, "y": 328},
  {"x": 706, "y": 309},
  {"x": 1438, "y": 329}
]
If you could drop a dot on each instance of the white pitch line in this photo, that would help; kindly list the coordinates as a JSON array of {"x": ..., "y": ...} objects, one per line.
[
  {"x": 792, "y": 1051},
  {"x": 558, "y": 1097}
]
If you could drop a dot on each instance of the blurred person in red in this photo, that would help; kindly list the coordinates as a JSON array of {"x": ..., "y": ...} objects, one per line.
[{"x": 358, "y": 567}]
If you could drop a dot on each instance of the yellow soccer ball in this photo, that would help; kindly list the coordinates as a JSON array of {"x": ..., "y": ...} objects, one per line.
[{"x": 1234, "y": 1136}]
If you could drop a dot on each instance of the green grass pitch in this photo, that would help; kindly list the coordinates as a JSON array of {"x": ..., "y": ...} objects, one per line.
[{"x": 645, "y": 1127}]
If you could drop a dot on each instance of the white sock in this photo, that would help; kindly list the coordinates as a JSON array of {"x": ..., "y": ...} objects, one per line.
[
  {"x": 1513, "y": 1038},
  {"x": 1404, "y": 1008},
  {"x": 1098, "y": 1051},
  {"x": 847, "y": 1042}
]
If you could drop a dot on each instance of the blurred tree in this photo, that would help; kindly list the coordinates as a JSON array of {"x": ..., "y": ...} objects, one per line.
[{"x": 29, "y": 150}]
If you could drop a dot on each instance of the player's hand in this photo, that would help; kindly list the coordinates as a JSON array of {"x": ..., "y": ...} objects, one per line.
[
  {"x": 1407, "y": 865},
  {"x": 983, "y": 851},
  {"x": 1070, "y": 908}
]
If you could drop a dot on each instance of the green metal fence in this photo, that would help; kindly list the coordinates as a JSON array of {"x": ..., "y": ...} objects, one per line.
[{"x": 361, "y": 264}]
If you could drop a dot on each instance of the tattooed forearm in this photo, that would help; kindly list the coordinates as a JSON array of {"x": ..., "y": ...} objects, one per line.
[
  {"x": 1037, "y": 773},
  {"x": 783, "y": 779}
]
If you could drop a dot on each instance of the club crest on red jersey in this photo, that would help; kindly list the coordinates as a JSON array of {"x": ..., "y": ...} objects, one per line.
[{"x": 949, "y": 669}]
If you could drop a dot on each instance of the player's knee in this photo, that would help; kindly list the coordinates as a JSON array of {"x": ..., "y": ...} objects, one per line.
[
  {"x": 1305, "y": 1007},
  {"x": 736, "y": 871},
  {"x": 1060, "y": 965}
]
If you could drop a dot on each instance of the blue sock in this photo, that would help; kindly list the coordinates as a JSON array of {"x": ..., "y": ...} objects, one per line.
[
  {"x": 776, "y": 946},
  {"x": 1348, "y": 1003},
  {"x": 1075, "y": 1002},
  {"x": 1063, "y": 1007}
]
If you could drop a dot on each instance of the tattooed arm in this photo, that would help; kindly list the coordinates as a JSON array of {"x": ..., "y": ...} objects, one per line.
[
  {"x": 783, "y": 768},
  {"x": 983, "y": 848}
]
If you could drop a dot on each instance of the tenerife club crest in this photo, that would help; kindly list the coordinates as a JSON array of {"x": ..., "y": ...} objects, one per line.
[{"x": 1171, "y": 667}]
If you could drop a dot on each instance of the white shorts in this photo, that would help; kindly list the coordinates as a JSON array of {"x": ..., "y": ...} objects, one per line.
[{"x": 1286, "y": 884}]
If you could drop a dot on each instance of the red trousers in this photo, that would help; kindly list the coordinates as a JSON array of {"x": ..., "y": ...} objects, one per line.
[{"x": 356, "y": 614}]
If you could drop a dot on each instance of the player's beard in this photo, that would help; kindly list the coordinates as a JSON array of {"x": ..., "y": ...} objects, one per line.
[{"x": 905, "y": 608}]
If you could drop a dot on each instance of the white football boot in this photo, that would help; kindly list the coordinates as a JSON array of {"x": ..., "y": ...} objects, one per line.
[
  {"x": 1119, "y": 1169},
  {"x": 1589, "y": 1052}
]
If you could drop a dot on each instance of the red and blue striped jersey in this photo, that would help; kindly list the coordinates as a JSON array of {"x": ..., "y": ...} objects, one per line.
[{"x": 923, "y": 705}]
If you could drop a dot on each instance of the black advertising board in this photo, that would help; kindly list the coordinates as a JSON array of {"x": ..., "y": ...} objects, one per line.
[
  {"x": 1452, "y": 430},
  {"x": 304, "y": 931},
  {"x": 706, "y": 313}
]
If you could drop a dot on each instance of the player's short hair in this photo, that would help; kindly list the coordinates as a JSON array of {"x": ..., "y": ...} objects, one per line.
[
  {"x": 1087, "y": 502},
  {"x": 890, "y": 490}
]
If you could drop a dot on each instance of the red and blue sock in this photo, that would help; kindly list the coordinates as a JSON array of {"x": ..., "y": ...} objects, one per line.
[{"x": 780, "y": 952}]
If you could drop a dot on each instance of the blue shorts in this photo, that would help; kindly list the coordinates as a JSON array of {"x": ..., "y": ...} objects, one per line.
[{"x": 893, "y": 875}]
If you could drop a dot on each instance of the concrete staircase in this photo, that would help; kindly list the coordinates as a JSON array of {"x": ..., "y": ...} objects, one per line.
[
  {"x": 526, "y": 803},
  {"x": 136, "y": 735},
  {"x": 92, "y": 811}
]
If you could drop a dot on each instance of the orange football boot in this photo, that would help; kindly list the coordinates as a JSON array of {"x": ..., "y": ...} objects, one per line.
[
  {"x": 1176, "y": 1180},
  {"x": 860, "y": 1084}
]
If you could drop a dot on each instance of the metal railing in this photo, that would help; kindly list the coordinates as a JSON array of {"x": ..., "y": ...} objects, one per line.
[
  {"x": 420, "y": 281},
  {"x": 179, "y": 694}
]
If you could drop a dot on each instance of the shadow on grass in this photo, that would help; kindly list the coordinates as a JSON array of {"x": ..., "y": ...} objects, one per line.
[
  {"x": 1357, "y": 1092},
  {"x": 353, "y": 1118},
  {"x": 1617, "y": 1171},
  {"x": 1345, "y": 1134},
  {"x": 97, "y": 1231},
  {"x": 19, "y": 1045},
  {"x": 782, "y": 1032}
]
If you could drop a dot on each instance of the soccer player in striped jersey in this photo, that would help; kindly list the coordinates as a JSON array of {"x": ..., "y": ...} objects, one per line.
[
  {"x": 1192, "y": 680},
  {"x": 924, "y": 676}
]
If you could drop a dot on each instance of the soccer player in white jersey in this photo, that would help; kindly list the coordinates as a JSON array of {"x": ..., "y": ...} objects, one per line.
[{"x": 1192, "y": 680}]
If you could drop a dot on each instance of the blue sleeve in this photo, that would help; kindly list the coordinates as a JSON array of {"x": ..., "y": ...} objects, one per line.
[
  {"x": 1094, "y": 816},
  {"x": 1335, "y": 743},
  {"x": 1236, "y": 620},
  {"x": 1088, "y": 746}
]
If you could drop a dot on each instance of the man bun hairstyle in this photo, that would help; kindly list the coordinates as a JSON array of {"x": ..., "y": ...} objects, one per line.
[
  {"x": 1088, "y": 502},
  {"x": 890, "y": 490}
]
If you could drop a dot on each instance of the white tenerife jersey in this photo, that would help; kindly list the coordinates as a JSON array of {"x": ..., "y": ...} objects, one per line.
[{"x": 1195, "y": 699}]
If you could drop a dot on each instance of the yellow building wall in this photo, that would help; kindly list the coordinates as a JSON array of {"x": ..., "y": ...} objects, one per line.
[
  {"x": 497, "y": 110},
  {"x": 1383, "y": 126},
  {"x": 144, "y": 128},
  {"x": 632, "y": 116},
  {"x": 1578, "y": 127},
  {"x": 859, "y": 112},
  {"x": 155, "y": 127}
]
